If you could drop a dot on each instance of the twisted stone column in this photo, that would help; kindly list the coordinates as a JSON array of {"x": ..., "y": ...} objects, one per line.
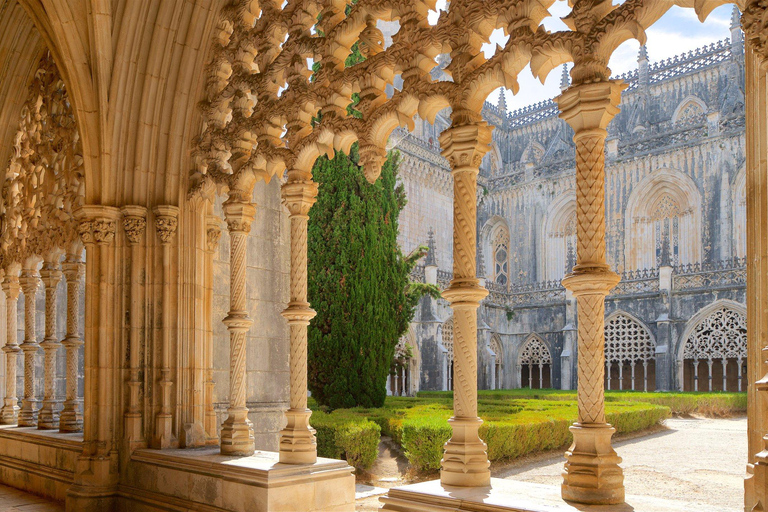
[
  {"x": 49, "y": 412},
  {"x": 9, "y": 414},
  {"x": 237, "y": 430},
  {"x": 30, "y": 281},
  {"x": 297, "y": 439},
  {"x": 465, "y": 461},
  {"x": 166, "y": 222},
  {"x": 135, "y": 225},
  {"x": 592, "y": 473},
  {"x": 71, "y": 418}
]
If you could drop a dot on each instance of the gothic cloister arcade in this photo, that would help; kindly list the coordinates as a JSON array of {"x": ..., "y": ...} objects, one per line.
[
  {"x": 185, "y": 124},
  {"x": 535, "y": 364},
  {"x": 713, "y": 349},
  {"x": 629, "y": 354}
]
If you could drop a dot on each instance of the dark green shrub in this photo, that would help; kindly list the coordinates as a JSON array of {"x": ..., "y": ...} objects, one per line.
[{"x": 354, "y": 439}]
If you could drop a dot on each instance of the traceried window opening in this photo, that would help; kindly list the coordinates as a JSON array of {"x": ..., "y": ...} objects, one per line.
[
  {"x": 666, "y": 225},
  {"x": 501, "y": 258},
  {"x": 535, "y": 364},
  {"x": 720, "y": 343},
  {"x": 629, "y": 350},
  {"x": 690, "y": 111}
]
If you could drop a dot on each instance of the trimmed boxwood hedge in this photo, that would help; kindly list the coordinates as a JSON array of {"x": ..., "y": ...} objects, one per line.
[
  {"x": 351, "y": 438},
  {"x": 512, "y": 426}
]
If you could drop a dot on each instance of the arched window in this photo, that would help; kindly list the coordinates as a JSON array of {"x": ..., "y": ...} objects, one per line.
[
  {"x": 535, "y": 362},
  {"x": 720, "y": 341},
  {"x": 560, "y": 237},
  {"x": 690, "y": 109},
  {"x": 628, "y": 345},
  {"x": 404, "y": 373},
  {"x": 448, "y": 345},
  {"x": 501, "y": 257},
  {"x": 495, "y": 251},
  {"x": 663, "y": 215},
  {"x": 498, "y": 361}
]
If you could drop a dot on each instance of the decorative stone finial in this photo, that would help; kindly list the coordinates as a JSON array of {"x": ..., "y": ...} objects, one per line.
[
  {"x": 430, "y": 260},
  {"x": 565, "y": 79}
]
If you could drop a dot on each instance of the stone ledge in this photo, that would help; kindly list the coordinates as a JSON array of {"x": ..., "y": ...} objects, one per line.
[
  {"x": 513, "y": 496},
  {"x": 38, "y": 461},
  {"x": 203, "y": 479}
]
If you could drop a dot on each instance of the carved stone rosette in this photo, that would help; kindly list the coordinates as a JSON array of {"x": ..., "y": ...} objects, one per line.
[
  {"x": 30, "y": 282},
  {"x": 237, "y": 430},
  {"x": 465, "y": 462},
  {"x": 592, "y": 473},
  {"x": 9, "y": 414},
  {"x": 71, "y": 418},
  {"x": 48, "y": 417},
  {"x": 297, "y": 439}
]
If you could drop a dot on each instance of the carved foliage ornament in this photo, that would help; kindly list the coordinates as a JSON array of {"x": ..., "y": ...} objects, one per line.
[
  {"x": 263, "y": 113},
  {"x": 44, "y": 178}
]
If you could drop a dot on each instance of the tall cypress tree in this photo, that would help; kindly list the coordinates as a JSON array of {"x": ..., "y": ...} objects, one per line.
[{"x": 358, "y": 282}]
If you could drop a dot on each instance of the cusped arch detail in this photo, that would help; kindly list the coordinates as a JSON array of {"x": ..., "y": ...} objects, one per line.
[
  {"x": 664, "y": 194},
  {"x": 495, "y": 239},
  {"x": 690, "y": 107},
  {"x": 557, "y": 235},
  {"x": 534, "y": 350},
  {"x": 627, "y": 338}
]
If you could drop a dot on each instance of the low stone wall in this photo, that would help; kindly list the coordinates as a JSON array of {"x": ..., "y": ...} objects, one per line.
[{"x": 38, "y": 461}]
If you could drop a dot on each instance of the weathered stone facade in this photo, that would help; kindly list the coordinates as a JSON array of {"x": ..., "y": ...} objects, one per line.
[{"x": 675, "y": 209}]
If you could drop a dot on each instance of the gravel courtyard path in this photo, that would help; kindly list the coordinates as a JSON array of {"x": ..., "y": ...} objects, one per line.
[{"x": 695, "y": 460}]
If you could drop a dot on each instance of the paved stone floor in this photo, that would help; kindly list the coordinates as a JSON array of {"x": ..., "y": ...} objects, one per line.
[
  {"x": 13, "y": 500},
  {"x": 694, "y": 461}
]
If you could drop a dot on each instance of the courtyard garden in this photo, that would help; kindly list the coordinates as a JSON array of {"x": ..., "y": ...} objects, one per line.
[{"x": 515, "y": 422}]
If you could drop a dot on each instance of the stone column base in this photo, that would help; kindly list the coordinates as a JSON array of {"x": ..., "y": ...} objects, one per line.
[
  {"x": 237, "y": 435},
  {"x": 297, "y": 439},
  {"x": 9, "y": 414},
  {"x": 592, "y": 474},
  {"x": 465, "y": 461}
]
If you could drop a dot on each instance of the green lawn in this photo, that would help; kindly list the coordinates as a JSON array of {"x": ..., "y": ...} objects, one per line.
[{"x": 516, "y": 422}]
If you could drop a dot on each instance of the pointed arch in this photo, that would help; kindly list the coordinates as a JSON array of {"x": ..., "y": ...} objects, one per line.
[
  {"x": 717, "y": 337},
  {"x": 629, "y": 346},
  {"x": 558, "y": 236},
  {"x": 665, "y": 206},
  {"x": 534, "y": 362},
  {"x": 495, "y": 240},
  {"x": 690, "y": 108}
]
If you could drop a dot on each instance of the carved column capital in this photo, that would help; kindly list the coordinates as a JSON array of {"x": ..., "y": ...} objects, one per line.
[
  {"x": 50, "y": 275},
  {"x": 239, "y": 216},
  {"x": 754, "y": 21},
  {"x": 465, "y": 145},
  {"x": 590, "y": 106},
  {"x": 30, "y": 281},
  {"x": 134, "y": 222},
  {"x": 97, "y": 224},
  {"x": 299, "y": 195},
  {"x": 166, "y": 222},
  {"x": 11, "y": 286},
  {"x": 212, "y": 232}
]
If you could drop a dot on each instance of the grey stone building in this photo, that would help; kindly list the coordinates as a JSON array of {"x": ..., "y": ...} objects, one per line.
[{"x": 675, "y": 193}]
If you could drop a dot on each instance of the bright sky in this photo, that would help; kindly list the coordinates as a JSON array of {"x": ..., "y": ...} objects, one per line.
[{"x": 676, "y": 32}]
